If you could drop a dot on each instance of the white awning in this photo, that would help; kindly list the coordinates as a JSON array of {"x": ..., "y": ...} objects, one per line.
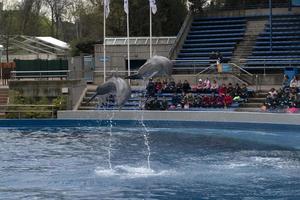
[
  {"x": 54, "y": 42},
  {"x": 1, "y": 47}
]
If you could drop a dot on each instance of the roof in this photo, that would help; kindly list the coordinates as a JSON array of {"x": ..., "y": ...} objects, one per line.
[{"x": 54, "y": 41}]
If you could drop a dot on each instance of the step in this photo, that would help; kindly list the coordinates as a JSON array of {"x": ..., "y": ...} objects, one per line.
[
  {"x": 247, "y": 109},
  {"x": 251, "y": 105},
  {"x": 256, "y": 100}
]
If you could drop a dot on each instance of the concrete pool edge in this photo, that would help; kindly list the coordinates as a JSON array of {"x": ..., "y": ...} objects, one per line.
[{"x": 186, "y": 116}]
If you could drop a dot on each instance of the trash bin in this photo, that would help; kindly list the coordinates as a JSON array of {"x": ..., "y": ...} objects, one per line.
[{"x": 291, "y": 72}]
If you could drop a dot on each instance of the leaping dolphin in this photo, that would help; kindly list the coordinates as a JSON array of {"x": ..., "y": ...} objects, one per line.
[
  {"x": 114, "y": 86},
  {"x": 155, "y": 66}
]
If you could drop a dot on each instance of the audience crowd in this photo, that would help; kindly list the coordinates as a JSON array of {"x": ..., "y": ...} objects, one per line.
[
  {"x": 204, "y": 94},
  {"x": 287, "y": 97}
]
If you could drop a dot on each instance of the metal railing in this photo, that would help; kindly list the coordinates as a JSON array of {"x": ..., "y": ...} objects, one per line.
[
  {"x": 51, "y": 74},
  {"x": 17, "y": 110},
  {"x": 139, "y": 40}
]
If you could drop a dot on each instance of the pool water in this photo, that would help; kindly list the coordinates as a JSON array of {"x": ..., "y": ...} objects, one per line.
[{"x": 195, "y": 163}]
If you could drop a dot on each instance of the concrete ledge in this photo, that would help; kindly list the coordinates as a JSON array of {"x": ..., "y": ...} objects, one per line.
[{"x": 193, "y": 116}]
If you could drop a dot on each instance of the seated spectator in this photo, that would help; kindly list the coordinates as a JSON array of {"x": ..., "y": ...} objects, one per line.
[
  {"x": 285, "y": 82},
  {"x": 207, "y": 85},
  {"x": 150, "y": 88},
  {"x": 176, "y": 99},
  {"x": 294, "y": 82},
  {"x": 244, "y": 92},
  {"x": 164, "y": 104},
  {"x": 228, "y": 101},
  {"x": 219, "y": 101},
  {"x": 272, "y": 93},
  {"x": 237, "y": 90},
  {"x": 186, "y": 86},
  {"x": 158, "y": 86},
  {"x": 222, "y": 90},
  {"x": 197, "y": 101},
  {"x": 214, "y": 86},
  {"x": 172, "y": 85},
  {"x": 206, "y": 101},
  {"x": 189, "y": 99},
  {"x": 165, "y": 88},
  {"x": 179, "y": 87},
  {"x": 230, "y": 90},
  {"x": 200, "y": 86}
]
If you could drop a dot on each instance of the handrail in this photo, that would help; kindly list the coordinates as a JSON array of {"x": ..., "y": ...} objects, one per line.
[
  {"x": 235, "y": 65},
  {"x": 194, "y": 61},
  {"x": 40, "y": 74},
  {"x": 269, "y": 59},
  {"x": 204, "y": 70}
]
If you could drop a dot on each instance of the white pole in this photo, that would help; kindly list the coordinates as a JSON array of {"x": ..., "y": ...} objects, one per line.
[
  {"x": 104, "y": 48},
  {"x": 150, "y": 32},
  {"x": 128, "y": 45}
]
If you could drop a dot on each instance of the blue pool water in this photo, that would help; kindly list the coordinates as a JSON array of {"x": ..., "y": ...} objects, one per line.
[{"x": 186, "y": 163}]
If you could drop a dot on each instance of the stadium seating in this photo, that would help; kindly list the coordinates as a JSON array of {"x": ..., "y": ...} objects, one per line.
[
  {"x": 207, "y": 35},
  {"x": 285, "y": 50}
]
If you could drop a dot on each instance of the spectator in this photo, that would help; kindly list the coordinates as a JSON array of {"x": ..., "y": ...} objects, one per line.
[
  {"x": 164, "y": 104},
  {"x": 230, "y": 90},
  {"x": 186, "y": 86},
  {"x": 244, "y": 92},
  {"x": 172, "y": 85},
  {"x": 214, "y": 86},
  {"x": 176, "y": 99},
  {"x": 237, "y": 90},
  {"x": 213, "y": 57},
  {"x": 189, "y": 99},
  {"x": 150, "y": 88},
  {"x": 272, "y": 93},
  {"x": 158, "y": 86},
  {"x": 165, "y": 88},
  {"x": 227, "y": 101},
  {"x": 200, "y": 86},
  {"x": 294, "y": 82},
  {"x": 207, "y": 85},
  {"x": 219, "y": 57},
  {"x": 285, "y": 82},
  {"x": 179, "y": 87},
  {"x": 222, "y": 90}
]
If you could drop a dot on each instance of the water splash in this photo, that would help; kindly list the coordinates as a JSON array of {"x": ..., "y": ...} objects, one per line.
[
  {"x": 146, "y": 138},
  {"x": 128, "y": 172},
  {"x": 109, "y": 139}
]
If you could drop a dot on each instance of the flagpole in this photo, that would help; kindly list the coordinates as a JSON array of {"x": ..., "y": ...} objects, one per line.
[
  {"x": 104, "y": 45},
  {"x": 128, "y": 44},
  {"x": 150, "y": 31}
]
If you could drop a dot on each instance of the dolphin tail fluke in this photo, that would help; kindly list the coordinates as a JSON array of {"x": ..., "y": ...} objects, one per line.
[
  {"x": 134, "y": 76},
  {"x": 93, "y": 97}
]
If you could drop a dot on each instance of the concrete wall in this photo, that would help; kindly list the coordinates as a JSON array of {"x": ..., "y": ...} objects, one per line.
[
  {"x": 219, "y": 116},
  {"x": 50, "y": 89}
]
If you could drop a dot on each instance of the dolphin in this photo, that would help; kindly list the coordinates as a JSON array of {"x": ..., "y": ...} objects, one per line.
[
  {"x": 155, "y": 66},
  {"x": 114, "y": 86}
]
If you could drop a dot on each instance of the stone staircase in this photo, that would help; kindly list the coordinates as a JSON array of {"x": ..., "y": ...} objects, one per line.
[
  {"x": 244, "y": 48},
  {"x": 254, "y": 103}
]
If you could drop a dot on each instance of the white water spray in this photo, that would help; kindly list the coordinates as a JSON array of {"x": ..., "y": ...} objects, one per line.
[
  {"x": 145, "y": 133},
  {"x": 110, "y": 138}
]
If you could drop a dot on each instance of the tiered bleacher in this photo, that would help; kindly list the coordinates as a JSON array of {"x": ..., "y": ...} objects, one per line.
[
  {"x": 285, "y": 49},
  {"x": 207, "y": 35}
]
